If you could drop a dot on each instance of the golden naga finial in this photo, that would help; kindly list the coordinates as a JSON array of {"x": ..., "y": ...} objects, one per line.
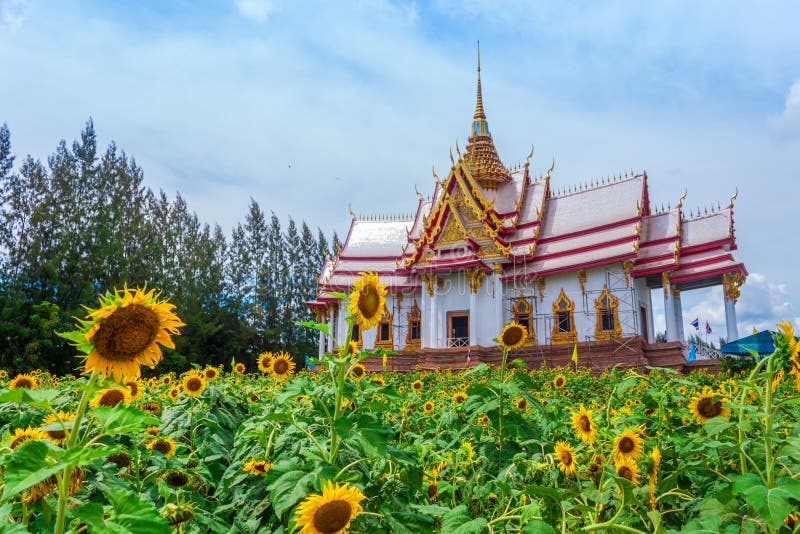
[
  {"x": 683, "y": 197},
  {"x": 451, "y": 157},
  {"x": 529, "y": 156},
  {"x": 552, "y": 166},
  {"x": 458, "y": 150},
  {"x": 435, "y": 176},
  {"x": 416, "y": 189},
  {"x": 735, "y": 195},
  {"x": 350, "y": 209}
]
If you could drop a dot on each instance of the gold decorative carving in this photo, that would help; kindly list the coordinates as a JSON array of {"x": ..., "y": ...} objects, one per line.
[
  {"x": 541, "y": 285},
  {"x": 451, "y": 234},
  {"x": 627, "y": 266},
  {"x": 582, "y": 280},
  {"x": 665, "y": 284},
  {"x": 606, "y": 303},
  {"x": 413, "y": 316},
  {"x": 676, "y": 293},
  {"x": 429, "y": 279},
  {"x": 731, "y": 282},
  {"x": 497, "y": 268},
  {"x": 475, "y": 278},
  {"x": 522, "y": 312},
  {"x": 563, "y": 305},
  {"x": 387, "y": 320}
]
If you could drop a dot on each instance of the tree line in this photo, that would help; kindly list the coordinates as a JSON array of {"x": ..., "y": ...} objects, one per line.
[{"x": 83, "y": 223}]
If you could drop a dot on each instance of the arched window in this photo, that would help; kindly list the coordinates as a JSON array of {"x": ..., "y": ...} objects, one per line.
[
  {"x": 607, "y": 316},
  {"x": 414, "y": 334},
  {"x": 523, "y": 315},
  {"x": 563, "y": 320},
  {"x": 383, "y": 337}
]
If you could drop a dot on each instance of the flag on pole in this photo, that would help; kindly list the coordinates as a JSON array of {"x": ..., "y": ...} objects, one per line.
[
  {"x": 696, "y": 323},
  {"x": 575, "y": 354},
  {"x": 708, "y": 328},
  {"x": 469, "y": 358},
  {"x": 692, "y": 354}
]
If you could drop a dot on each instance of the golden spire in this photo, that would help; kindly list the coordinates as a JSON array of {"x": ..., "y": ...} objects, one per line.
[{"x": 479, "y": 114}]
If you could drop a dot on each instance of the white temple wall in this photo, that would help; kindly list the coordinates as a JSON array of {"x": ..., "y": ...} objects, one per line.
[
  {"x": 643, "y": 298},
  {"x": 452, "y": 295},
  {"x": 485, "y": 305}
]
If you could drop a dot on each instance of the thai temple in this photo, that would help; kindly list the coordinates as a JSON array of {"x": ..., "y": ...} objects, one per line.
[{"x": 573, "y": 265}]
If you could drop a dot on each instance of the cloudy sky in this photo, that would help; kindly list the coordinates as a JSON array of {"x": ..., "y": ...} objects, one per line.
[{"x": 309, "y": 106}]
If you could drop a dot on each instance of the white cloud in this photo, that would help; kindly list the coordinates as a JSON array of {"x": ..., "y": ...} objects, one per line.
[
  {"x": 788, "y": 122},
  {"x": 12, "y": 14},
  {"x": 257, "y": 10}
]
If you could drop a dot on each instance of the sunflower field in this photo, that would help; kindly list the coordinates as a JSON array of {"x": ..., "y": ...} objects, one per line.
[{"x": 339, "y": 449}]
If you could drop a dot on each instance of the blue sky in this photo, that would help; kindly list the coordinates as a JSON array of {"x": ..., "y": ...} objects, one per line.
[{"x": 309, "y": 106}]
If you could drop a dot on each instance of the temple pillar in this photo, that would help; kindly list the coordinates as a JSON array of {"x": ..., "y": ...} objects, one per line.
[
  {"x": 434, "y": 319},
  {"x": 330, "y": 328},
  {"x": 669, "y": 309},
  {"x": 473, "y": 318},
  {"x": 731, "y": 282},
  {"x": 424, "y": 307},
  {"x": 498, "y": 298},
  {"x": 676, "y": 303}
]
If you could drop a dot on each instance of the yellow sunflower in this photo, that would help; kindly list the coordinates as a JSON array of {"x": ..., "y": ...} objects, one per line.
[
  {"x": 174, "y": 393},
  {"x": 358, "y": 371},
  {"x": 125, "y": 332},
  {"x": 21, "y": 435},
  {"x": 367, "y": 301},
  {"x": 193, "y": 384},
  {"x": 512, "y": 337},
  {"x": 331, "y": 512},
  {"x": 239, "y": 368},
  {"x": 62, "y": 423},
  {"x": 176, "y": 478},
  {"x": 459, "y": 397},
  {"x": 416, "y": 385},
  {"x": 559, "y": 381},
  {"x": 257, "y": 467},
  {"x": 282, "y": 366},
  {"x": 703, "y": 406},
  {"x": 265, "y": 362},
  {"x": 48, "y": 485},
  {"x": 628, "y": 445},
  {"x": 626, "y": 468},
  {"x": 521, "y": 403},
  {"x": 110, "y": 397},
  {"x": 134, "y": 386},
  {"x": 24, "y": 380},
  {"x": 210, "y": 373},
  {"x": 427, "y": 407},
  {"x": 583, "y": 425},
  {"x": 164, "y": 445},
  {"x": 565, "y": 457},
  {"x": 153, "y": 408}
]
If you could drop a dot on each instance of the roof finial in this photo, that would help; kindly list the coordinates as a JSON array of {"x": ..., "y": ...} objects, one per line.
[
  {"x": 350, "y": 209},
  {"x": 736, "y": 194},
  {"x": 479, "y": 114},
  {"x": 529, "y": 156}
]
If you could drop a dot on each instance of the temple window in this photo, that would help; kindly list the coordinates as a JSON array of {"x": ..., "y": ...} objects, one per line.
[
  {"x": 522, "y": 312},
  {"x": 383, "y": 338},
  {"x": 356, "y": 334},
  {"x": 414, "y": 334},
  {"x": 563, "y": 320},
  {"x": 607, "y": 316}
]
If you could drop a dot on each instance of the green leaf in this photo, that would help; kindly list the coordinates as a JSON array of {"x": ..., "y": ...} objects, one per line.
[
  {"x": 772, "y": 504},
  {"x": 716, "y": 425},
  {"x": 457, "y": 521},
  {"x": 27, "y": 466},
  {"x": 123, "y": 419},
  {"x": 132, "y": 515},
  {"x": 288, "y": 489},
  {"x": 41, "y": 398},
  {"x": 321, "y": 327},
  {"x": 337, "y": 294},
  {"x": 6, "y": 526},
  {"x": 537, "y": 527}
]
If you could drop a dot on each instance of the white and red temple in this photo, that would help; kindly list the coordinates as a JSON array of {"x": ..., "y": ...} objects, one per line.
[{"x": 494, "y": 244}]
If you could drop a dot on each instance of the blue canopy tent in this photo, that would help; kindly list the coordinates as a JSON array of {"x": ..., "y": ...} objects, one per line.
[{"x": 761, "y": 343}]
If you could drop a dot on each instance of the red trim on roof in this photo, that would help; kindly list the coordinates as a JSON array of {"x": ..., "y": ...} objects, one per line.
[
  {"x": 708, "y": 274},
  {"x": 388, "y": 286},
  {"x": 662, "y": 241},
  {"x": 706, "y": 261},
  {"x": 369, "y": 258},
  {"x": 694, "y": 249},
  {"x": 587, "y": 248},
  {"x": 570, "y": 268},
  {"x": 527, "y": 225},
  {"x": 592, "y": 230}
]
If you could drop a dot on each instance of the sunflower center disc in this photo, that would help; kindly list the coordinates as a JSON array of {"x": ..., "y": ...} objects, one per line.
[
  {"x": 162, "y": 446},
  {"x": 368, "y": 302},
  {"x": 709, "y": 409},
  {"x": 625, "y": 472},
  {"x": 585, "y": 424},
  {"x": 358, "y": 371},
  {"x": 194, "y": 384},
  {"x": 281, "y": 367},
  {"x": 626, "y": 445},
  {"x": 57, "y": 434},
  {"x": 111, "y": 398},
  {"x": 24, "y": 383},
  {"x": 126, "y": 333},
  {"x": 566, "y": 458},
  {"x": 332, "y": 516},
  {"x": 512, "y": 336}
]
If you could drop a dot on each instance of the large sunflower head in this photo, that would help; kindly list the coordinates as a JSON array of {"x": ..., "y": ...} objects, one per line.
[
  {"x": 24, "y": 380},
  {"x": 416, "y": 385},
  {"x": 59, "y": 425},
  {"x": 265, "y": 362},
  {"x": 559, "y": 381},
  {"x": 427, "y": 407},
  {"x": 628, "y": 445},
  {"x": 124, "y": 332},
  {"x": 164, "y": 445},
  {"x": 110, "y": 397},
  {"x": 331, "y": 512},
  {"x": 626, "y": 468},
  {"x": 358, "y": 371},
  {"x": 21, "y": 435},
  {"x": 584, "y": 426},
  {"x": 459, "y": 397},
  {"x": 194, "y": 384},
  {"x": 566, "y": 457},
  {"x": 512, "y": 337},
  {"x": 367, "y": 301},
  {"x": 153, "y": 408},
  {"x": 210, "y": 373},
  {"x": 282, "y": 366},
  {"x": 704, "y": 406}
]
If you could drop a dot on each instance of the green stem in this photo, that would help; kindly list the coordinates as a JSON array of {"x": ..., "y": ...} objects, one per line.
[
  {"x": 66, "y": 475},
  {"x": 339, "y": 375},
  {"x": 501, "y": 392},
  {"x": 768, "y": 422}
]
